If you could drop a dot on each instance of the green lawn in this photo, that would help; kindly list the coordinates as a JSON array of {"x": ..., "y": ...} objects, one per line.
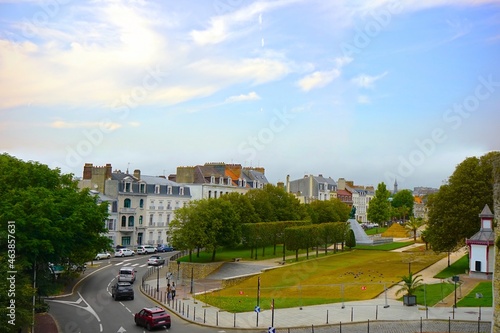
[
  {"x": 345, "y": 276},
  {"x": 434, "y": 293},
  {"x": 470, "y": 300},
  {"x": 458, "y": 267}
]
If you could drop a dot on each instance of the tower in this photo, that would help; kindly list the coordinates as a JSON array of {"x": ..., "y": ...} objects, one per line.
[{"x": 395, "y": 186}]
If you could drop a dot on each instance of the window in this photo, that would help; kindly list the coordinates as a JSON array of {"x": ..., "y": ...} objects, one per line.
[
  {"x": 169, "y": 189},
  {"x": 181, "y": 190},
  {"x": 142, "y": 188},
  {"x": 157, "y": 189},
  {"x": 127, "y": 203},
  {"x": 126, "y": 240},
  {"x": 168, "y": 219},
  {"x": 128, "y": 187},
  {"x": 221, "y": 181},
  {"x": 151, "y": 219},
  {"x": 140, "y": 220},
  {"x": 124, "y": 221},
  {"x": 169, "y": 206},
  {"x": 141, "y": 203},
  {"x": 130, "y": 221},
  {"x": 229, "y": 181},
  {"x": 212, "y": 180}
]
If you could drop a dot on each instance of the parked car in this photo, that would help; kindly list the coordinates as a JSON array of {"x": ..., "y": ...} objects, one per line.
[
  {"x": 164, "y": 248},
  {"x": 122, "y": 290},
  {"x": 102, "y": 255},
  {"x": 127, "y": 274},
  {"x": 146, "y": 249},
  {"x": 124, "y": 253},
  {"x": 152, "y": 318},
  {"x": 156, "y": 261}
]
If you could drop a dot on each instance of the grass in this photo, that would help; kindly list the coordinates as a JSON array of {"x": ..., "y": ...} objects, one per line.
[
  {"x": 344, "y": 276},
  {"x": 458, "y": 267},
  {"x": 470, "y": 300},
  {"x": 384, "y": 247},
  {"x": 434, "y": 293},
  {"x": 374, "y": 231}
]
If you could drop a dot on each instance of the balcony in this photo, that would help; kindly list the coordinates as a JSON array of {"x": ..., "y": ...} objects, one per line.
[
  {"x": 126, "y": 229},
  {"x": 127, "y": 210}
]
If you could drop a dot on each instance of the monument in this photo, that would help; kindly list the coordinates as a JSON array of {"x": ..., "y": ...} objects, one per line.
[{"x": 359, "y": 233}]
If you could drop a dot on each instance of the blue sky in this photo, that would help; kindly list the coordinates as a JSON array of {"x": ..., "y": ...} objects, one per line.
[{"x": 365, "y": 90}]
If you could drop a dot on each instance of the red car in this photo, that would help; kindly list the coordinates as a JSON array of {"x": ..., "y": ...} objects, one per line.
[{"x": 152, "y": 318}]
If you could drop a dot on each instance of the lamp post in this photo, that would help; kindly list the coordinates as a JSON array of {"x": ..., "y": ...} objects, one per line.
[{"x": 455, "y": 279}]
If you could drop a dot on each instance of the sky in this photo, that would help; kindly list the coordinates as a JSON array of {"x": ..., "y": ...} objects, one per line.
[{"x": 369, "y": 91}]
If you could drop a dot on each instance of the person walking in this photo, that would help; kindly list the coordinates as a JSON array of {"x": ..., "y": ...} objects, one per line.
[
  {"x": 172, "y": 290},
  {"x": 169, "y": 293}
]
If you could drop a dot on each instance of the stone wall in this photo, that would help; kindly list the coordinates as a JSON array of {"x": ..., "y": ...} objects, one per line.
[
  {"x": 199, "y": 271},
  {"x": 229, "y": 282}
]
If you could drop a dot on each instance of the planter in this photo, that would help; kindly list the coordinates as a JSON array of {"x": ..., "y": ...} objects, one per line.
[{"x": 409, "y": 300}]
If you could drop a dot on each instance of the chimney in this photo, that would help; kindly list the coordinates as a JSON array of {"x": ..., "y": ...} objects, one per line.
[{"x": 137, "y": 174}]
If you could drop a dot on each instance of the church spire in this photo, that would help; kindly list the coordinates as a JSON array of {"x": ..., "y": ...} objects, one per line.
[{"x": 395, "y": 186}]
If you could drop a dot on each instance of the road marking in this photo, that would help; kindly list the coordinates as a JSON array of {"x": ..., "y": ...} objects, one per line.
[{"x": 77, "y": 304}]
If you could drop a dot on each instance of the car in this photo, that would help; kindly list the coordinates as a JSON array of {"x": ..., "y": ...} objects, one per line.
[
  {"x": 164, "y": 248},
  {"x": 124, "y": 253},
  {"x": 102, "y": 255},
  {"x": 152, "y": 318},
  {"x": 122, "y": 290},
  {"x": 146, "y": 249},
  {"x": 127, "y": 274},
  {"x": 156, "y": 261}
]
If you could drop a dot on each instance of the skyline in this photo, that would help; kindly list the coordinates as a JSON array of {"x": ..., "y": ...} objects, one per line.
[{"x": 367, "y": 91}]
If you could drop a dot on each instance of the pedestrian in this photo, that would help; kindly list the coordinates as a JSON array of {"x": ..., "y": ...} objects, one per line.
[
  {"x": 169, "y": 293},
  {"x": 172, "y": 289}
]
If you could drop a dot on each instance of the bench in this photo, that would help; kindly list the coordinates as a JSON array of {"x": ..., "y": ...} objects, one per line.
[
  {"x": 236, "y": 259},
  {"x": 282, "y": 262}
]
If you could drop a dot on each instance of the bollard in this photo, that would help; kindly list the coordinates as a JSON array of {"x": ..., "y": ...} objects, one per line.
[
  {"x": 312, "y": 328},
  {"x": 420, "y": 324},
  {"x": 449, "y": 325},
  {"x": 194, "y": 313},
  {"x": 340, "y": 327},
  {"x": 217, "y": 318},
  {"x": 368, "y": 326},
  {"x": 234, "y": 321},
  {"x": 204, "y": 315},
  {"x": 376, "y": 312},
  {"x": 352, "y": 314},
  {"x": 327, "y": 316},
  {"x": 188, "y": 311}
]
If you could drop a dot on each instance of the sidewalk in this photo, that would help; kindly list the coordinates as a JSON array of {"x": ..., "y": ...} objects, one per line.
[{"x": 385, "y": 307}]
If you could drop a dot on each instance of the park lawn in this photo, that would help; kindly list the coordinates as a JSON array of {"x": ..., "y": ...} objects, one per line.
[
  {"x": 458, "y": 267},
  {"x": 344, "y": 276},
  {"x": 374, "y": 231},
  {"x": 470, "y": 300},
  {"x": 434, "y": 293},
  {"x": 384, "y": 247}
]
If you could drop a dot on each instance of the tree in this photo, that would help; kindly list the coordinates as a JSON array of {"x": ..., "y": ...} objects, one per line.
[
  {"x": 350, "y": 241},
  {"x": 243, "y": 207},
  {"x": 54, "y": 222},
  {"x": 273, "y": 203},
  {"x": 379, "y": 210},
  {"x": 413, "y": 224},
  {"x": 410, "y": 283},
  {"x": 453, "y": 210},
  {"x": 405, "y": 201},
  {"x": 333, "y": 210}
]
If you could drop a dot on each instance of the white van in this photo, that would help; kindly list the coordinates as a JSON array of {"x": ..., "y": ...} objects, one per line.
[{"x": 126, "y": 274}]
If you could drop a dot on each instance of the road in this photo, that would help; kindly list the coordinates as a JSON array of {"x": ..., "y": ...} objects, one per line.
[{"x": 92, "y": 309}]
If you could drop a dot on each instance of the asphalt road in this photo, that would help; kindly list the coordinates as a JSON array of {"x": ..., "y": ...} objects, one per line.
[{"x": 91, "y": 309}]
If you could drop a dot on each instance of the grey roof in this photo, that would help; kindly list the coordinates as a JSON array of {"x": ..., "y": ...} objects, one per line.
[
  {"x": 486, "y": 212},
  {"x": 484, "y": 235},
  {"x": 158, "y": 181}
]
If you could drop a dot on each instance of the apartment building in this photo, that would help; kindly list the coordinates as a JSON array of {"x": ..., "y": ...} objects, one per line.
[{"x": 310, "y": 188}]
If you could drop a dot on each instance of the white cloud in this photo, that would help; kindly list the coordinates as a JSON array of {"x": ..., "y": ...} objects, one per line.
[
  {"x": 318, "y": 79},
  {"x": 367, "y": 81},
  {"x": 64, "y": 125},
  {"x": 251, "y": 96},
  {"x": 223, "y": 27}
]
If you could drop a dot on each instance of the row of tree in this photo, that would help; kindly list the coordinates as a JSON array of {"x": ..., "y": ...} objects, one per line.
[{"x": 211, "y": 223}]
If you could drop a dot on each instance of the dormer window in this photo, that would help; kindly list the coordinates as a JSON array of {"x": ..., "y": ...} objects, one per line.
[
  {"x": 212, "y": 180},
  {"x": 229, "y": 181},
  {"x": 169, "y": 189},
  {"x": 244, "y": 183},
  {"x": 181, "y": 190},
  {"x": 142, "y": 188},
  {"x": 157, "y": 189},
  {"x": 221, "y": 181},
  {"x": 240, "y": 183},
  {"x": 128, "y": 187}
]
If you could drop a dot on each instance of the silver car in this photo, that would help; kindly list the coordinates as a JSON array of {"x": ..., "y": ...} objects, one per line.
[{"x": 124, "y": 253}]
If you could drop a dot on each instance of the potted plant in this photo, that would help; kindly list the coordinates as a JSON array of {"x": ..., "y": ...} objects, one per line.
[{"x": 409, "y": 285}]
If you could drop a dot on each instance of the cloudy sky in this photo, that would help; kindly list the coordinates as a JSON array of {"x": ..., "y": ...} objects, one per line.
[{"x": 365, "y": 90}]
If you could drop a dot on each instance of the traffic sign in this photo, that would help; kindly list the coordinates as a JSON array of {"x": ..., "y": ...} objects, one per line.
[
  {"x": 257, "y": 309},
  {"x": 271, "y": 330}
]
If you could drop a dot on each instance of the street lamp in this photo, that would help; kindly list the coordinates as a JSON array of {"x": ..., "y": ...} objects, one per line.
[{"x": 455, "y": 279}]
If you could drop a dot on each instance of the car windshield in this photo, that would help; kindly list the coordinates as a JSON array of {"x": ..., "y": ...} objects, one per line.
[{"x": 159, "y": 314}]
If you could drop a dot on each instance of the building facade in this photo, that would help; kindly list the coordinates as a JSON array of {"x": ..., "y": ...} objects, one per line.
[{"x": 311, "y": 188}]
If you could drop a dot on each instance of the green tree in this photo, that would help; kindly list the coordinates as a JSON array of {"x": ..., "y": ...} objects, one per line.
[
  {"x": 404, "y": 201},
  {"x": 333, "y": 210},
  {"x": 242, "y": 206},
  {"x": 379, "y": 210},
  {"x": 54, "y": 222},
  {"x": 273, "y": 203},
  {"x": 350, "y": 241},
  {"x": 413, "y": 224},
  {"x": 410, "y": 284},
  {"x": 454, "y": 209}
]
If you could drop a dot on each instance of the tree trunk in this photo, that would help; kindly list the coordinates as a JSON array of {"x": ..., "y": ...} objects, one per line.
[
  {"x": 213, "y": 253},
  {"x": 495, "y": 327}
]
